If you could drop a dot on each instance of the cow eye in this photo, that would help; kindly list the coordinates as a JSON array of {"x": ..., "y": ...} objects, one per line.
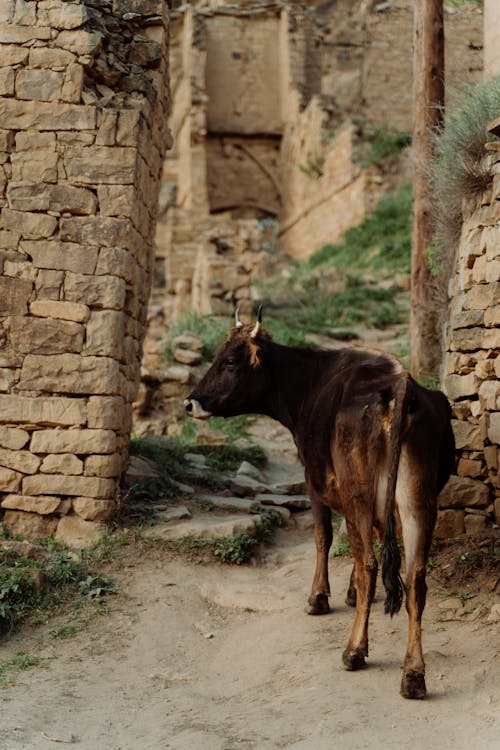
[{"x": 230, "y": 362}]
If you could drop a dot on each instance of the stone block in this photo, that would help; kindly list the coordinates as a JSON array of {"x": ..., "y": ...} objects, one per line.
[
  {"x": 9, "y": 240},
  {"x": 7, "y": 81},
  {"x": 80, "y": 42},
  {"x": 489, "y": 394},
  {"x": 32, "y": 140},
  {"x": 76, "y": 532},
  {"x": 103, "y": 466},
  {"x": 12, "y": 54},
  {"x": 127, "y": 133},
  {"x": 48, "y": 284},
  {"x": 95, "y": 291},
  {"x": 10, "y": 480},
  {"x": 463, "y": 492},
  {"x": 60, "y": 310},
  {"x": 29, "y": 525},
  {"x": 64, "y": 256},
  {"x": 72, "y": 83},
  {"x": 56, "y": 484},
  {"x": 62, "y": 463},
  {"x": 468, "y": 467},
  {"x": 116, "y": 261},
  {"x": 14, "y": 295},
  {"x": 80, "y": 442},
  {"x": 482, "y": 296},
  {"x": 35, "y": 166},
  {"x": 106, "y": 134},
  {"x": 466, "y": 319},
  {"x": 45, "y": 336},
  {"x": 105, "y": 333},
  {"x": 39, "y": 85},
  {"x": 45, "y": 505},
  {"x": 116, "y": 200},
  {"x": 50, "y": 57},
  {"x": 494, "y": 428},
  {"x": 492, "y": 270},
  {"x": 474, "y": 523},
  {"x": 467, "y": 435},
  {"x": 31, "y": 226},
  {"x": 449, "y": 524},
  {"x": 62, "y": 15},
  {"x": 13, "y": 438},
  {"x": 42, "y": 411},
  {"x": 25, "y": 13},
  {"x": 106, "y": 412},
  {"x": 24, "y": 196},
  {"x": 6, "y": 140},
  {"x": 91, "y": 509},
  {"x": 492, "y": 317},
  {"x": 461, "y": 386},
  {"x": 10, "y": 34},
  {"x": 70, "y": 373},
  {"x": 95, "y": 165},
  {"x": 22, "y": 461},
  {"x": 97, "y": 230},
  {"x": 26, "y": 115}
]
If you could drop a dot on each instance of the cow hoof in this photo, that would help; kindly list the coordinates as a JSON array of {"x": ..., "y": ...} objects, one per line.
[
  {"x": 353, "y": 660},
  {"x": 413, "y": 685},
  {"x": 351, "y": 597},
  {"x": 318, "y": 605}
]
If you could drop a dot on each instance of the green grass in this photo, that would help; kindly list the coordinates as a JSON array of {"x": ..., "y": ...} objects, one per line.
[
  {"x": 35, "y": 588},
  {"x": 20, "y": 662},
  {"x": 384, "y": 145}
]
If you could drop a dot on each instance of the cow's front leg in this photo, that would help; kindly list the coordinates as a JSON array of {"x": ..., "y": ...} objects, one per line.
[{"x": 317, "y": 604}]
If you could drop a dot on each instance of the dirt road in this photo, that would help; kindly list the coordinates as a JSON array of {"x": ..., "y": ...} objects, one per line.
[{"x": 213, "y": 657}]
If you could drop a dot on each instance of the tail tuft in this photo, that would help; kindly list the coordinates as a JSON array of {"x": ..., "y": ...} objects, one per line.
[{"x": 391, "y": 577}]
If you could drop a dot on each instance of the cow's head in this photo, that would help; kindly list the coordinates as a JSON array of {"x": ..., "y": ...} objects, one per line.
[{"x": 237, "y": 381}]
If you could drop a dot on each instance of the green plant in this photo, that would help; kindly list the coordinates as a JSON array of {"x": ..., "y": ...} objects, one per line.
[
  {"x": 19, "y": 662},
  {"x": 460, "y": 169},
  {"x": 384, "y": 144},
  {"x": 314, "y": 167},
  {"x": 236, "y": 549},
  {"x": 342, "y": 548}
]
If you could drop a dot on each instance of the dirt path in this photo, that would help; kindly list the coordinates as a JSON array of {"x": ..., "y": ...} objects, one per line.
[{"x": 220, "y": 658}]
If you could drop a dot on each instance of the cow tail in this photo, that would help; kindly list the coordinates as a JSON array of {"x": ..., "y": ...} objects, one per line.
[{"x": 390, "y": 555}]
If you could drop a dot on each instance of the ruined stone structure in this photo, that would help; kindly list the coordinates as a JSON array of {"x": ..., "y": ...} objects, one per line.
[
  {"x": 262, "y": 96},
  {"x": 491, "y": 38},
  {"x": 472, "y": 360},
  {"x": 83, "y": 97}
]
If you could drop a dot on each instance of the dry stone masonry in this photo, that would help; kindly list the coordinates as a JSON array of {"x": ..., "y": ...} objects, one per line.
[
  {"x": 83, "y": 97},
  {"x": 472, "y": 364}
]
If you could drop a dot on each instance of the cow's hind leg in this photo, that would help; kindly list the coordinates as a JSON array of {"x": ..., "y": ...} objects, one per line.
[
  {"x": 350, "y": 599},
  {"x": 365, "y": 578},
  {"x": 418, "y": 513},
  {"x": 317, "y": 604}
]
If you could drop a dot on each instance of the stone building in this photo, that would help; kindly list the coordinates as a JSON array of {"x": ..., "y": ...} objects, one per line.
[
  {"x": 263, "y": 94},
  {"x": 83, "y": 112}
]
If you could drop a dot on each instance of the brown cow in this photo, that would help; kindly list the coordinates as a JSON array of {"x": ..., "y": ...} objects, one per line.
[{"x": 371, "y": 440}]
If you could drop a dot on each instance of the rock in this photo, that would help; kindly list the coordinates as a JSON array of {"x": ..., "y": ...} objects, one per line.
[
  {"x": 61, "y": 310},
  {"x": 450, "y": 523},
  {"x": 29, "y": 525},
  {"x": 22, "y": 461},
  {"x": 178, "y": 373},
  {"x": 289, "y": 488},
  {"x": 26, "y": 549},
  {"x": 185, "y": 489},
  {"x": 140, "y": 471},
  {"x": 70, "y": 373},
  {"x": 207, "y": 527},
  {"x": 460, "y": 492},
  {"x": 186, "y": 356},
  {"x": 93, "y": 510},
  {"x": 45, "y": 505},
  {"x": 197, "y": 460},
  {"x": 73, "y": 441},
  {"x": 103, "y": 466},
  {"x": 174, "y": 514},
  {"x": 13, "y": 438},
  {"x": 244, "y": 486},
  {"x": 31, "y": 335},
  {"x": 106, "y": 412},
  {"x": 228, "y": 503},
  {"x": 58, "y": 484},
  {"x": 249, "y": 470},
  {"x": 290, "y": 501},
  {"x": 474, "y": 523},
  {"x": 43, "y": 410},
  {"x": 303, "y": 521},
  {"x": 76, "y": 532},
  {"x": 188, "y": 340},
  {"x": 494, "y": 615}
]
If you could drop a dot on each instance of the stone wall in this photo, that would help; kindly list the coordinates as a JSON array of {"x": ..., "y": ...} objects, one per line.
[
  {"x": 83, "y": 95},
  {"x": 472, "y": 359}
]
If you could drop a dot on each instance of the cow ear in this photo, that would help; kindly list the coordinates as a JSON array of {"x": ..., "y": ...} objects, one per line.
[{"x": 255, "y": 330}]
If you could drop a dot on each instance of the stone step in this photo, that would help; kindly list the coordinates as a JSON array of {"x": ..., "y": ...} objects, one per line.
[
  {"x": 300, "y": 502},
  {"x": 206, "y": 527}
]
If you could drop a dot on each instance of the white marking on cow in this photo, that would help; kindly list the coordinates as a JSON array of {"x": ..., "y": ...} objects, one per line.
[
  {"x": 404, "y": 500},
  {"x": 197, "y": 410}
]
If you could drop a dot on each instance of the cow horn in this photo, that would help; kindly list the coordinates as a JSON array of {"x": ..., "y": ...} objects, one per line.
[
  {"x": 238, "y": 322},
  {"x": 256, "y": 327}
]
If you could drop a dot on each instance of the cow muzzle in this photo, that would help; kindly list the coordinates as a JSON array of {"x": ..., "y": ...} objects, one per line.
[{"x": 195, "y": 409}]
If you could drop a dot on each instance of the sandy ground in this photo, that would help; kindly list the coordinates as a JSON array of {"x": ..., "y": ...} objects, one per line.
[{"x": 214, "y": 657}]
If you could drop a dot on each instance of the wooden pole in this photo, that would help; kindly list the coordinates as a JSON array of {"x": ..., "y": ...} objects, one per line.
[{"x": 428, "y": 105}]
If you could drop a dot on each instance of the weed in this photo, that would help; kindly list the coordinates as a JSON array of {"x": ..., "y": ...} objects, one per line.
[
  {"x": 236, "y": 549},
  {"x": 314, "y": 167},
  {"x": 384, "y": 144},
  {"x": 342, "y": 548},
  {"x": 18, "y": 663},
  {"x": 94, "y": 587}
]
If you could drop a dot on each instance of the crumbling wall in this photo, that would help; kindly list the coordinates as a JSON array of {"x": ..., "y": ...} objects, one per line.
[
  {"x": 472, "y": 362},
  {"x": 491, "y": 39},
  {"x": 83, "y": 134}
]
